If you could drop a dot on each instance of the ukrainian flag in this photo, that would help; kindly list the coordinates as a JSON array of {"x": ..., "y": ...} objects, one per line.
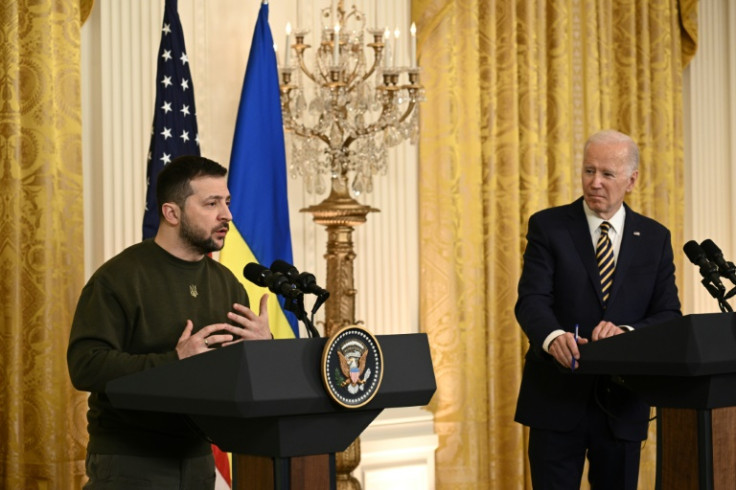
[{"x": 260, "y": 230}]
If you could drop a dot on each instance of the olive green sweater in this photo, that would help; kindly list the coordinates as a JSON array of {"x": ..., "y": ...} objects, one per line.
[{"x": 129, "y": 318}]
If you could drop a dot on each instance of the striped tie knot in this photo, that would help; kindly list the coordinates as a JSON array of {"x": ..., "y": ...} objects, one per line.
[{"x": 606, "y": 263}]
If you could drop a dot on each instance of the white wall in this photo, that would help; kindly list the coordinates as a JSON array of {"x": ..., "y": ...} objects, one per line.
[{"x": 710, "y": 148}]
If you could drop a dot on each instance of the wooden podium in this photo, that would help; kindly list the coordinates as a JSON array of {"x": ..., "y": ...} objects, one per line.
[
  {"x": 265, "y": 402},
  {"x": 687, "y": 369}
]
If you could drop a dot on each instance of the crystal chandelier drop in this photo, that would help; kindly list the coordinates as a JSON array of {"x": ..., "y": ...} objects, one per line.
[{"x": 343, "y": 108}]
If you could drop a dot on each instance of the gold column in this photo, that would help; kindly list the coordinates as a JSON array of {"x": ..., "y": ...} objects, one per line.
[{"x": 340, "y": 213}]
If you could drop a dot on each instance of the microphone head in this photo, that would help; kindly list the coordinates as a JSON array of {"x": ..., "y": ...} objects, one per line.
[
  {"x": 285, "y": 268},
  {"x": 708, "y": 269},
  {"x": 694, "y": 252},
  {"x": 308, "y": 283},
  {"x": 274, "y": 281},
  {"x": 306, "y": 280},
  {"x": 257, "y": 274},
  {"x": 711, "y": 249}
]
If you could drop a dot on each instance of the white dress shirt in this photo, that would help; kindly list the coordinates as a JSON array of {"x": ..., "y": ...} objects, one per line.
[{"x": 615, "y": 232}]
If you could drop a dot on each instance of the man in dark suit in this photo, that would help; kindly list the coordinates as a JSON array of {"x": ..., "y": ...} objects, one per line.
[{"x": 563, "y": 287}]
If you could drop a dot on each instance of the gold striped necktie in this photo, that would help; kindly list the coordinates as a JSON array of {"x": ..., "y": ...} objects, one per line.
[{"x": 606, "y": 264}]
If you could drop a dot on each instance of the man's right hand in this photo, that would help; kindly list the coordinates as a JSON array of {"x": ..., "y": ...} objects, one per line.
[
  {"x": 202, "y": 341},
  {"x": 563, "y": 348}
]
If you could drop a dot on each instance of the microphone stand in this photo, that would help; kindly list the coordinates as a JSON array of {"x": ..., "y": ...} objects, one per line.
[
  {"x": 296, "y": 306},
  {"x": 729, "y": 273},
  {"x": 718, "y": 295},
  {"x": 321, "y": 298}
]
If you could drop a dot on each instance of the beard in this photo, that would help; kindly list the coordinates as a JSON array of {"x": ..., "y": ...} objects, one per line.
[{"x": 198, "y": 239}]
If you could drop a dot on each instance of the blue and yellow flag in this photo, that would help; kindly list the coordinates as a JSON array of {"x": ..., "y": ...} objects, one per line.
[{"x": 257, "y": 178}]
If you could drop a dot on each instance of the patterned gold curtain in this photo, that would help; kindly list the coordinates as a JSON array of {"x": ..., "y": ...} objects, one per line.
[
  {"x": 41, "y": 242},
  {"x": 514, "y": 87}
]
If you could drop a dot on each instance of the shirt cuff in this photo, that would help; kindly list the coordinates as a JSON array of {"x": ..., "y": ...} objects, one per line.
[{"x": 550, "y": 338}]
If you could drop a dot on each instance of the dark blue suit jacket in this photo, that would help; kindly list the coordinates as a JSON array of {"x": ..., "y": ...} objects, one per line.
[{"x": 560, "y": 287}]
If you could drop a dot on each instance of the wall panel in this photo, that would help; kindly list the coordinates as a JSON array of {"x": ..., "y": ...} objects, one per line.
[{"x": 710, "y": 154}]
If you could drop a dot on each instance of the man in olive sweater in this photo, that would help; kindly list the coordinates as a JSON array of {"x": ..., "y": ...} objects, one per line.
[{"x": 156, "y": 302}]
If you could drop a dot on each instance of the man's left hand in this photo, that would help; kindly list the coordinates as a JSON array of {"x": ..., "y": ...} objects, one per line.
[
  {"x": 604, "y": 330},
  {"x": 254, "y": 327}
]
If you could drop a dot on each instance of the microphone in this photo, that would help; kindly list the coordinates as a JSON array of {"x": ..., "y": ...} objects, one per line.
[
  {"x": 725, "y": 269},
  {"x": 304, "y": 281},
  {"x": 274, "y": 281},
  {"x": 708, "y": 269},
  {"x": 279, "y": 283}
]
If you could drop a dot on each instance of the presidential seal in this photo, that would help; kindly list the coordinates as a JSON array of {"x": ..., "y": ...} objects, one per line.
[{"x": 352, "y": 366}]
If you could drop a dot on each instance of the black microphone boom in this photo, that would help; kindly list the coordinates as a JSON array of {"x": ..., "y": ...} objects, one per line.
[
  {"x": 725, "y": 269},
  {"x": 274, "y": 281}
]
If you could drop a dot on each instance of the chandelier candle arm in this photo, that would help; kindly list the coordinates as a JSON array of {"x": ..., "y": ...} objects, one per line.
[
  {"x": 300, "y": 47},
  {"x": 378, "y": 52}
]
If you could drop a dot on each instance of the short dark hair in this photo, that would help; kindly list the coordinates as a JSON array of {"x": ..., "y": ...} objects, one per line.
[{"x": 173, "y": 182}]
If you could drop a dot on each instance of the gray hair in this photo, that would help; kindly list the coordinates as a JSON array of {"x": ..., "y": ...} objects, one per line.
[{"x": 613, "y": 136}]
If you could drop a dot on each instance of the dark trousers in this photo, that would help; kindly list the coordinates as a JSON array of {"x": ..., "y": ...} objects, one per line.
[
  {"x": 121, "y": 472},
  {"x": 557, "y": 458}
]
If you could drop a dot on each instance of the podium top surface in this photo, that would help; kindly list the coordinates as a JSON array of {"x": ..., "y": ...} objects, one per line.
[
  {"x": 693, "y": 345},
  {"x": 272, "y": 378}
]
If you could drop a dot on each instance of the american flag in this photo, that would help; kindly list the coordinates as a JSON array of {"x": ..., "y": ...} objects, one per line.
[{"x": 174, "y": 131}]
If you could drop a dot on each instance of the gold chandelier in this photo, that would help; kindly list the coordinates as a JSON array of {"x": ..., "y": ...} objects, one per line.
[{"x": 346, "y": 106}]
